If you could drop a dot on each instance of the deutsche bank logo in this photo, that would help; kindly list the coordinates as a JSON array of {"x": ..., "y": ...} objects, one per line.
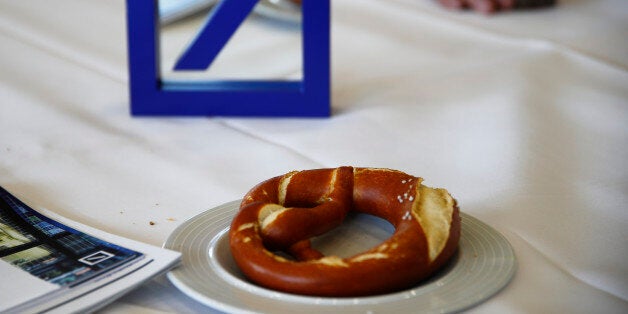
[
  {"x": 95, "y": 258},
  {"x": 152, "y": 96}
]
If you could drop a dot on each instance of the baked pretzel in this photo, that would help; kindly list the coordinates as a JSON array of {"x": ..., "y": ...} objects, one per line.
[{"x": 284, "y": 212}]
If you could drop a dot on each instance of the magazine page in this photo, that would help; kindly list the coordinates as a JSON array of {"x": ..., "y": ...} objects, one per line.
[{"x": 53, "y": 264}]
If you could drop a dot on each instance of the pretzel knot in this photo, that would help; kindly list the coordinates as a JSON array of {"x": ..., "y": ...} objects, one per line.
[{"x": 283, "y": 213}]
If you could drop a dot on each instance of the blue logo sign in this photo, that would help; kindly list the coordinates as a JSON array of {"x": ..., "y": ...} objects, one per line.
[{"x": 150, "y": 95}]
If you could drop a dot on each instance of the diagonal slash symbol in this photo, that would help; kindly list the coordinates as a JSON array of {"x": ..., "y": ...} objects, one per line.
[{"x": 95, "y": 258}]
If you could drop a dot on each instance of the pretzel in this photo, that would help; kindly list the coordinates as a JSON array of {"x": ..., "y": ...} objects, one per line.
[{"x": 283, "y": 213}]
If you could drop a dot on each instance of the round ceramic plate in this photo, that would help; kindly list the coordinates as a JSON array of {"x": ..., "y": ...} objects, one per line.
[
  {"x": 280, "y": 10},
  {"x": 484, "y": 264}
]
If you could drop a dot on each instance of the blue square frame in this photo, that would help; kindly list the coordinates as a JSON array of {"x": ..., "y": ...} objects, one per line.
[{"x": 151, "y": 96}]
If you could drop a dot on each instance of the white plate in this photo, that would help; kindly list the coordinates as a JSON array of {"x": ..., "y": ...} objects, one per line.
[
  {"x": 174, "y": 10},
  {"x": 280, "y": 10},
  {"x": 485, "y": 263}
]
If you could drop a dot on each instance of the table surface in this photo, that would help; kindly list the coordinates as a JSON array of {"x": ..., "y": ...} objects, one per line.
[{"x": 522, "y": 116}]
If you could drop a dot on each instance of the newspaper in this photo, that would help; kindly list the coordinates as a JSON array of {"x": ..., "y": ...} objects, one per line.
[{"x": 51, "y": 264}]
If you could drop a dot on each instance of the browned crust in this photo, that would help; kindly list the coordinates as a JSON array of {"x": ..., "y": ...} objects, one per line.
[{"x": 399, "y": 262}]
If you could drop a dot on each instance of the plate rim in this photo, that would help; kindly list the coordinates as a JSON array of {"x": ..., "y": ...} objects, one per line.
[
  {"x": 179, "y": 281},
  {"x": 271, "y": 10}
]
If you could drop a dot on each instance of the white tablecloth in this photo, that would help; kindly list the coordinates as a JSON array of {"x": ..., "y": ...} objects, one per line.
[{"x": 522, "y": 116}]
